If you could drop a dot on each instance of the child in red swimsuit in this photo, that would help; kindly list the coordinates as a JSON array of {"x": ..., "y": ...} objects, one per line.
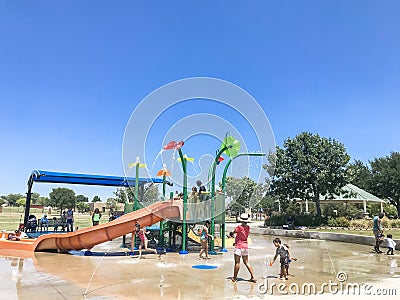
[{"x": 141, "y": 232}]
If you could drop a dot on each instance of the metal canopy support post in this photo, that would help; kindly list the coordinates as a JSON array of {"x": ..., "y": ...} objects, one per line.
[{"x": 28, "y": 200}]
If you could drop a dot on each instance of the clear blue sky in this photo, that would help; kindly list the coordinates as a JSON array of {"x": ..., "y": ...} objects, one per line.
[{"x": 72, "y": 73}]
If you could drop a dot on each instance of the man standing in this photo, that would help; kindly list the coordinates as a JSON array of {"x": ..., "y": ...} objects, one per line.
[
  {"x": 378, "y": 231},
  {"x": 202, "y": 191},
  {"x": 70, "y": 220}
]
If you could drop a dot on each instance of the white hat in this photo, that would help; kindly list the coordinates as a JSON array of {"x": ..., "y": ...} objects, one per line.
[{"x": 244, "y": 217}]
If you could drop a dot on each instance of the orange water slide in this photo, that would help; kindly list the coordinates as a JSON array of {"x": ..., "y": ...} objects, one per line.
[{"x": 89, "y": 237}]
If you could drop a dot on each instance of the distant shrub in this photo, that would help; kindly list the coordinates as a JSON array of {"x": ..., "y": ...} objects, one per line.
[
  {"x": 361, "y": 224},
  {"x": 395, "y": 223},
  {"x": 276, "y": 220},
  {"x": 385, "y": 222},
  {"x": 299, "y": 220},
  {"x": 338, "y": 222}
]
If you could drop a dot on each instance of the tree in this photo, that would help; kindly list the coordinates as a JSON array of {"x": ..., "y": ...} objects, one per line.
[
  {"x": 96, "y": 199},
  {"x": 385, "y": 180},
  {"x": 35, "y": 198},
  {"x": 82, "y": 207},
  {"x": 12, "y": 198},
  {"x": 45, "y": 201},
  {"x": 245, "y": 193},
  {"x": 149, "y": 193},
  {"x": 359, "y": 174},
  {"x": 62, "y": 198},
  {"x": 111, "y": 204},
  {"x": 21, "y": 202},
  {"x": 121, "y": 195},
  {"x": 267, "y": 204},
  {"x": 306, "y": 167},
  {"x": 81, "y": 198}
]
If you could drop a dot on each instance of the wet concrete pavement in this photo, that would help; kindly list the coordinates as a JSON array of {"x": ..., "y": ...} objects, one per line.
[{"x": 171, "y": 276}]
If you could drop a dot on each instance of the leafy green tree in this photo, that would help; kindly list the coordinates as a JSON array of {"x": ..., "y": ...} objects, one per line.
[
  {"x": 45, "y": 201},
  {"x": 81, "y": 198},
  {"x": 386, "y": 178},
  {"x": 82, "y": 207},
  {"x": 12, "y": 198},
  {"x": 245, "y": 193},
  {"x": 96, "y": 199},
  {"x": 111, "y": 204},
  {"x": 359, "y": 174},
  {"x": 21, "y": 202},
  {"x": 147, "y": 194},
  {"x": 62, "y": 198},
  {"x": 307, "y": 166},
  {"x": 122, "y": 196},
  {"x": 268, "y": 204},
  {"x": 34, "y": 198}
]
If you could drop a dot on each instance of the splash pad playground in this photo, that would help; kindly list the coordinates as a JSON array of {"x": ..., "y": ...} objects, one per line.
[
  {"x": 110, "y": 273},
  {"x": 176, "y": 218}
]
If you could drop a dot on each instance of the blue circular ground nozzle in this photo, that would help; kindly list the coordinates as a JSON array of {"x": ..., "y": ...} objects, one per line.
[
  {"x": 212, "y": 252},
  {"x": 223, "y": 250},
  {"x": 183, "y": 252}
]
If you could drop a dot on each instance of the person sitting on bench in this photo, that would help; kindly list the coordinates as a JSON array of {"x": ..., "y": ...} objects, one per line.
[{"x": 44, "y": 223}]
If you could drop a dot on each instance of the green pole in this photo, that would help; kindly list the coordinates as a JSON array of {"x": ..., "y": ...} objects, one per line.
[
  {"x": 163, "y": 184},
  {"x": 171, "y": 197},
  {"x": 214, "y": 167},
  {"x": 136, "y": 202},
  {"x": 184, "y": 225},
  {"x": 136, "y": 197},
  {"x": 224, "y": 185},
  {"x": 161, "y": 235}
]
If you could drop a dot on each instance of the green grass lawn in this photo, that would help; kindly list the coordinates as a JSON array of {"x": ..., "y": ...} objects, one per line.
[{"x": 11, "y": 217}]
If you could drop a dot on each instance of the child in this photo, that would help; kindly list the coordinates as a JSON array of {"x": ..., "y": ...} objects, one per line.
[
  {"x": 283, "y": 252},
  {"x": 141, "y": 232},
  {"x": 289, "y": 260},
  {"x": 56, "y": 224},
  {"x": 204, "y": 235},
  {"x": 14, "y": 236},
  {"x": 391, "y": 244}
]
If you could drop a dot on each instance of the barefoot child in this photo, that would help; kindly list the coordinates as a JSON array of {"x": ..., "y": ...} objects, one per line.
[
  {"x": 289, "y": 260},
  {"x": 391, "y": 244},
  {"x": 141, "y": 232},
  {"x": 204, "y": 235},
  {"x": 283, "y": 252}
]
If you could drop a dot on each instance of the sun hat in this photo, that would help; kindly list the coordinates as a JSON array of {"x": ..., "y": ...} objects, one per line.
[{"x": 244, "y": 217}]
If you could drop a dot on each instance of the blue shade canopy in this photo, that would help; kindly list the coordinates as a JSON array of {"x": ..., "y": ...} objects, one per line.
[{"x": 88, "y": 179}]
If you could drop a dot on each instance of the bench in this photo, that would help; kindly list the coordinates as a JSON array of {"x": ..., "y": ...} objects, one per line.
[{"x": 55, "y": 223}]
